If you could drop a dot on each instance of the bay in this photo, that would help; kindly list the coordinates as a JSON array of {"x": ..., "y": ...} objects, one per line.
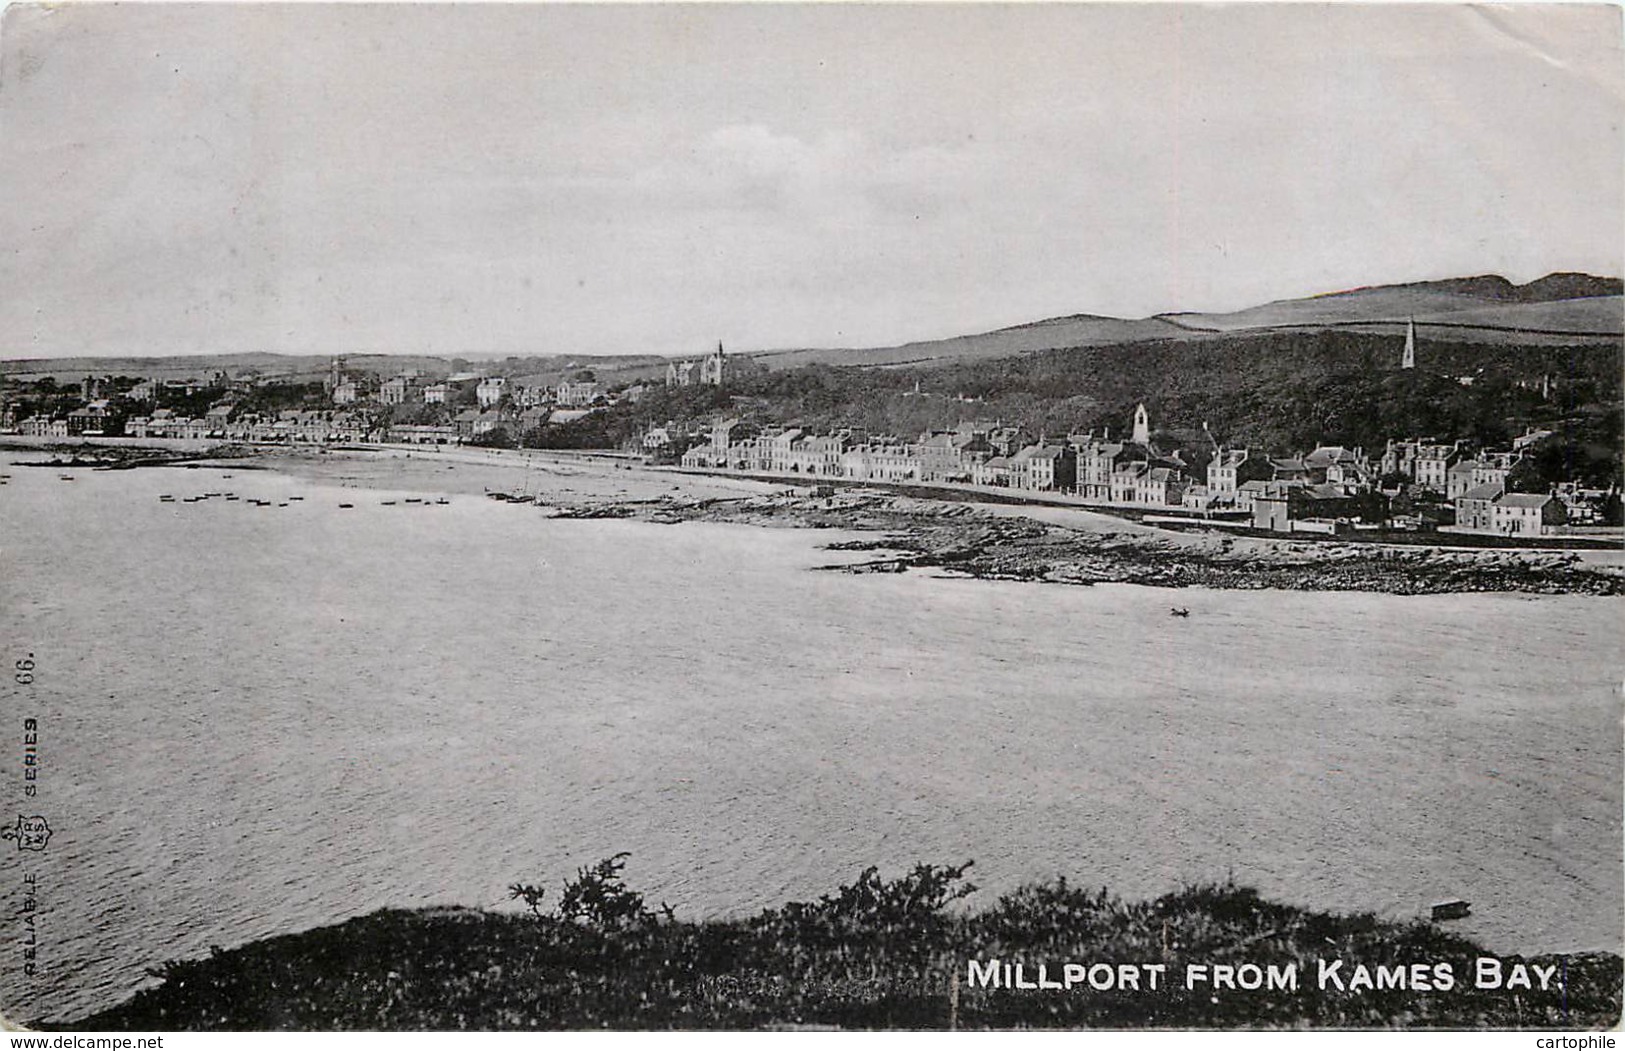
[{"x": 255, "y": 720}]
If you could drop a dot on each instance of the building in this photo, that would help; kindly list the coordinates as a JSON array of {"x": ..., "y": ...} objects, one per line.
[
  {"x": 89, "y": 419},
  {"x": 1334, "y": 463},
  {"x": 709, "y": 371},
  {"x": 1289, "y": 469},
  {"x": 780, "y": 449},
  {"x": 1493, "y": 468},
  {"x": 1229, "y": 470},
  {"x": 1248, "y": 492},
  {"x": 1527, "y": 514},
  {"x": 422, "y": 434},
  {"x": 533, "y": 418},
  {"x": 882, "y": 461},
  {"x": 1142, "y": 426},
  {"x": 940, "y": 459},
  {"x": 1400, "y": 458},
  {"x": 1271, "y": 508},
  {"x": 1161, "y": 487},
  {"x": 1475, "y": 509},
  {"x": 820, "y": 454},
  {"x": 465, "y": 423},
  {"x": 993, "y": 471},
  {"x": 399, "y": 390},
  {"x": 577, "y": 394},
  {"x": 1528, "y": 438},
  {"x": 1045, "y": 468},
  {"x": 43, "y": 427},
  {"x": 1459, "y": 478},
  {"x": 436, "y": 393},
  {"x": 490, "y": 390},
  {"x": 218, "y": 419},
  {"x": 1281, "y": 507}
]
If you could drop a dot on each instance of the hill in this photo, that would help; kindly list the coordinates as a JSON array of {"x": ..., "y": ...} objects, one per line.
[
  {"x": 1555, "y": 309},
  {"x": 1492, "y": 319},
  {"x": 1558, "y": 309},
  {"x": 312, "y": 366},
  {"x": 1076, "y": 330}
]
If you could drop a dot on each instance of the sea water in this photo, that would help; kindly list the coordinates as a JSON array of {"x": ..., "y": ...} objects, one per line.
[{"x": 256, "y": 720}]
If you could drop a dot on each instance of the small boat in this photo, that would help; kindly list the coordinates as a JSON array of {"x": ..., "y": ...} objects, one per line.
[
  {"x": 413, "y": 500},
  {"x": 283, "y": 504},
  {"x": 442, "y": 501},
  {"x": 1179, "y": 611},
  {"x": 65, "y": 477},
  {"x": 1454, "y": 909},
  {"x": 295, "y": 498},
  {"x": 233, "y": 498},
  {"x": 387, "y": 503},
  {"x": 346, "y": 507}
]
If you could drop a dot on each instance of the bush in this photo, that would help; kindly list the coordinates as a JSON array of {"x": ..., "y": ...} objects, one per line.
[{"x": 596, "y": 898}]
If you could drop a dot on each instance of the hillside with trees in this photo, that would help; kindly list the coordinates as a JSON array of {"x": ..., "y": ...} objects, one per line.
[{"x": 1280, "y": 391}]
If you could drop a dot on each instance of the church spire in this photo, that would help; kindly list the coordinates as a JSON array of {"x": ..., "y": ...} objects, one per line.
[{"x": 1408, "y": 361}]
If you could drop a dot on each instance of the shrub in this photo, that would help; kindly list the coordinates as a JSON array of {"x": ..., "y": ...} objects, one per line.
[{"x": 596, "y": 898}]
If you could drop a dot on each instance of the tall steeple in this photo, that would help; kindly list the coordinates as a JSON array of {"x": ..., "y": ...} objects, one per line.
[
  {"x": 1142, "y": 425},
  {"x": 1408, "y": 361}
]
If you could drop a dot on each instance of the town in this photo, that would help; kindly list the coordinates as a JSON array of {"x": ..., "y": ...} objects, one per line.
[{"x": 1417, "y": 483}]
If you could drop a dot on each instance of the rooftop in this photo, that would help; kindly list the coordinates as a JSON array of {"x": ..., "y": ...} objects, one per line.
[{"x": 1525, "y": 500}]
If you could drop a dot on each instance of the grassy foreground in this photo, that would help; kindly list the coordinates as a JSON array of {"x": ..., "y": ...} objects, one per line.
[{"x": 876, "y": 954}]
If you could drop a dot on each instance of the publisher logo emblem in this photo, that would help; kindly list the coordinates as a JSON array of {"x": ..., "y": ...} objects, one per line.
[{"x": 31, "y": 833}]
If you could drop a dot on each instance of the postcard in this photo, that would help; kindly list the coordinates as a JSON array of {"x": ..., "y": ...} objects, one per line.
[{"x": 811, "y": 516}]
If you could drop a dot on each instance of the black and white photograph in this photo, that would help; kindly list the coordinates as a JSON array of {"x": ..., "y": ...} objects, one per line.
[{"x": 812, "y": 517}]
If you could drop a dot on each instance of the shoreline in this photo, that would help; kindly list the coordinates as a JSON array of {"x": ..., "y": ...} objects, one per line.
[
  {"x": 1005, "y": 541},
  {"x": 1076, "y": 546}
]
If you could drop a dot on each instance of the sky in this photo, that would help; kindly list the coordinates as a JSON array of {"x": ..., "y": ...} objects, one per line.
[{"x": 500, "y": 179}]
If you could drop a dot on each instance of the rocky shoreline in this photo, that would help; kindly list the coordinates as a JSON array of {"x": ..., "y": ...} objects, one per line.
[
  {"x": 908, "y": 532},
  {"x": 970, "y": 540}
]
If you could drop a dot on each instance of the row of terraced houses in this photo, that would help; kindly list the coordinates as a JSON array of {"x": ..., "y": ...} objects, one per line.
[{"x": 1319, "y": 491}]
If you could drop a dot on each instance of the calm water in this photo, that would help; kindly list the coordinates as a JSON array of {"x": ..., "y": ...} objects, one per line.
[{"x": 255, "y": 721}]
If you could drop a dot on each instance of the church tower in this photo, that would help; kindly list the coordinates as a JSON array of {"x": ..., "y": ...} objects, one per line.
[
  {"x": 1142, "y": 425},
  {"x": 1408, "y": 361},
  {"x": 713, "y": 368}
]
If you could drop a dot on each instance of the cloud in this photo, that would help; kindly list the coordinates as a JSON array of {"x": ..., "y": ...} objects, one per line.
[{"x": 837, "y": 176}]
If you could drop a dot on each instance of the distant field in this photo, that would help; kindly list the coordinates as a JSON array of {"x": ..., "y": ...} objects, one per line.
[
  {"x": 1604, "y": 315},
  {"x": 1600, "y": 315}
]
